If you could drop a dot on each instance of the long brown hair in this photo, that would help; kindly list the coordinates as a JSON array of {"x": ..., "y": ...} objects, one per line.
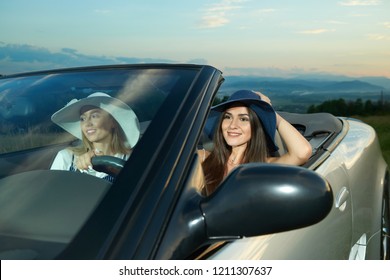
[{"x": 215, "y": 164}]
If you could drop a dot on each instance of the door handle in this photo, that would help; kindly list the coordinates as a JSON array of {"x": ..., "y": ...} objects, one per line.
[{"x": 341, "y": 199}]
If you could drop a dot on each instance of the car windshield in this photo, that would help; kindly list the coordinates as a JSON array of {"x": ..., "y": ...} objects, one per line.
[
  {"x": 42, "y": 209},
  {"x": 27, "y": 102}
]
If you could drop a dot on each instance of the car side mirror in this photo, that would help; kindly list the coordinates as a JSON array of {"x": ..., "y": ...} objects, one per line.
[{"x": 258, "y": 199}]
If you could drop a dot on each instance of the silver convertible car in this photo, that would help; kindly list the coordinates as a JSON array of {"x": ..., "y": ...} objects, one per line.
[{"x": 336, "y": 206}]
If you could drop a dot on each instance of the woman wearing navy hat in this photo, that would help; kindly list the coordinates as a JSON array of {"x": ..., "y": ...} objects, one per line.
[{"x": 244, "y": 131}]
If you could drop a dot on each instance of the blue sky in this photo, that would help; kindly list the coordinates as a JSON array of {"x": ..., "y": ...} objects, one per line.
[{"x": 349, "y": 37}]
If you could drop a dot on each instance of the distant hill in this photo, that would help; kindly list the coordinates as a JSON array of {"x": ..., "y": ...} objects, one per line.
[
  {"x": 296, "y": 94},
  {"x": 291, "y": 85},
  {"x": 352, "y": 86},
  {"x": 379, "y": 81},
  {"x": 300, "y": 86}
]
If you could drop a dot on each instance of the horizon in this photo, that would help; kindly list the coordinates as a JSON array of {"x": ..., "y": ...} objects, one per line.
[{"x": 240, "y": 37}]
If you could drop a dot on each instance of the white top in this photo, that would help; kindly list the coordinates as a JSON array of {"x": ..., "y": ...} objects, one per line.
[{"x": 65, "y": 160}]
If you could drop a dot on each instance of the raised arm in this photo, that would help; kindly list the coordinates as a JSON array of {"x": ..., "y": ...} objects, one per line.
[{"x": 298, "y": 148}]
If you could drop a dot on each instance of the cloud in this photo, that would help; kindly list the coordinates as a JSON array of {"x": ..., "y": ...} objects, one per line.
[
  {"x": 16, "y": 58},
  {"x": 213, "y": 21},
  {"x": 315, "y": 31},
  {"x": 360, "y": 3},
  {"x": 217, "y": 15},
  {"x": 197, "y": 61},
  {"x": 378, "y": 37},
  {"x": 265, "y": 11},
  {"x": 336, "y": 22},
  {"x": 386, "y": 24}
]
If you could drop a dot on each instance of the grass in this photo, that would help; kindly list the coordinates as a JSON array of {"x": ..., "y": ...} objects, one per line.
[
  {"x": 18, "y": 142},
  {"x": 381, "y": 124}
]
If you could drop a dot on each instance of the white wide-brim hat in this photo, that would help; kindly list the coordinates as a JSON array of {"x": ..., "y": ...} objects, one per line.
[{"x": 69, "y": 116}]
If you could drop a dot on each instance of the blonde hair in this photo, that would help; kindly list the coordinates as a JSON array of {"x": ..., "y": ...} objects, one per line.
[{"x": 118, "y": 144}]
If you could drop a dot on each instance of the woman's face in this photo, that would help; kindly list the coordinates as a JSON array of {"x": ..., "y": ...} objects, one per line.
[
  {"x": 96, "y": 125},
  {"x": 236, "y": 127}
]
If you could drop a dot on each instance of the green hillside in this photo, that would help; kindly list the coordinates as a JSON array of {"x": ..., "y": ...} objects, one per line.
[{"x": 381, "y": 124}]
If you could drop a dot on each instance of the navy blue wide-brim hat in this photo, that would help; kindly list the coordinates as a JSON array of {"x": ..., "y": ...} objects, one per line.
[{"x": 263, "y": 110}]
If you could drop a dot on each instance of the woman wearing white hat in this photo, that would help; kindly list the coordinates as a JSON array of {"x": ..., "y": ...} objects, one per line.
[{"x": 106, "y": 126}]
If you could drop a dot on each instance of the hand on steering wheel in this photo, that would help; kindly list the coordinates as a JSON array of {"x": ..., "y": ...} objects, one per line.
[{"x": 108, "y": 164}]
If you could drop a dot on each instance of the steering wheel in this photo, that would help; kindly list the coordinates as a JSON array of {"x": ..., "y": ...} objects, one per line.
[{"x": 108, "y": 164}]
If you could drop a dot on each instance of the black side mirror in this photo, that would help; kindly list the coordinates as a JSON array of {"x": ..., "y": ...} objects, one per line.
[{"x": 258, "y": 199}]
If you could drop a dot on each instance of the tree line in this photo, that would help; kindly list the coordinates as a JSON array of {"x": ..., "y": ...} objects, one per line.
[{"x": 341, "y": 107}]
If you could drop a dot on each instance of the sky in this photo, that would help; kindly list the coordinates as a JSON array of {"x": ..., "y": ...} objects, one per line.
[{"x": 240, "y": 37}]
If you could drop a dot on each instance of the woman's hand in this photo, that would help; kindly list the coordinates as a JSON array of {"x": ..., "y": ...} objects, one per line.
[
  {"x": 263, "y": 97},
  {"x": 268, "y": 100},
  {"x": 83, "y": 162}
]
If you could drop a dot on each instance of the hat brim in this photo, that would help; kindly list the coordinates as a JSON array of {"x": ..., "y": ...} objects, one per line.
[
  {"x": 69, "y": 117},
  {"x": 263, "y": 110}
]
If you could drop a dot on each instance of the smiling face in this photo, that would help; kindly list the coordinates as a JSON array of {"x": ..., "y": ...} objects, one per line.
[
  {"x": 96, "y": 125},
  {"x": 236, "y": 127}
]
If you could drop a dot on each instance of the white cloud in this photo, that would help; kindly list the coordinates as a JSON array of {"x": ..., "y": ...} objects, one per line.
[
  {"x": 213, "y": 21},
  {"x": 360, "y": 3},
  {"x": 265, "y": 11},
  {"x": 216, "y": 15},
  {"x": 386, "y": 24},
  {"x": 378, "y": 37},
  {"x": 315, "y": 31}
]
